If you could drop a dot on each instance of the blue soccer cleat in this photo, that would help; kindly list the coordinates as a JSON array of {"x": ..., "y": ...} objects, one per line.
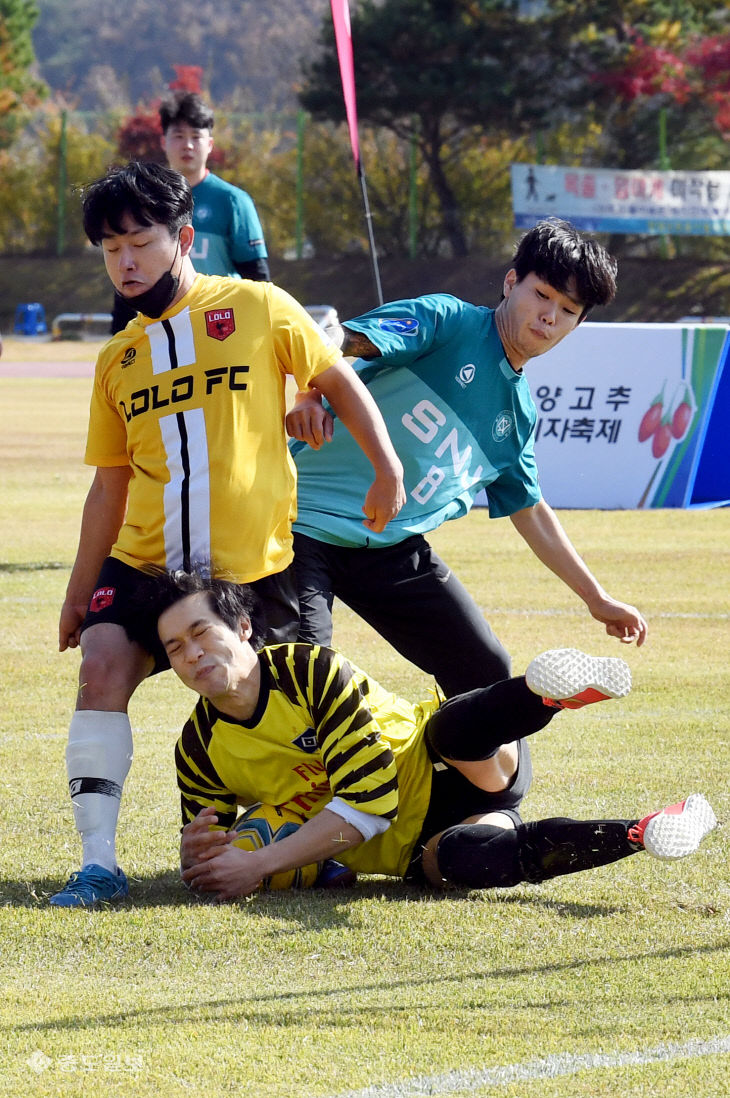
[
  {"x": 91, "y": 887},
  {"x": 335, "y": 875}
]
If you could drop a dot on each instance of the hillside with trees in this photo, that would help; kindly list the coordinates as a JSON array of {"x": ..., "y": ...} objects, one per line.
[
  {"x": 20, "y": 91},
  {"x": 450, "y": 94},
  {"x": 103, "y": 55}
]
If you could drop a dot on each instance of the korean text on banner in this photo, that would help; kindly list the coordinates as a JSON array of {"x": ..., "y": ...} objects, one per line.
[{"x": 614, "y": 201}]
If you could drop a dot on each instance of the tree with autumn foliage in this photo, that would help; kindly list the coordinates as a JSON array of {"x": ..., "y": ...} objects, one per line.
[
  {"x": 19, "y": 90},
  {"x": 698, "y": 72},
  {"x": 631, "y": 62},
  {"x": 446, "y": 74},
  {"x": 441, "y": 73},
  {"x": 694, "y": 76},
  {"x": 139, "y": 135},
  {"x": 710, "y": 59}
]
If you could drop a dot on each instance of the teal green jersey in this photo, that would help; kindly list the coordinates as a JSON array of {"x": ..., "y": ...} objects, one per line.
[
  {"x": 460, "y": 418},
  {"x": 227, "y": 228}
]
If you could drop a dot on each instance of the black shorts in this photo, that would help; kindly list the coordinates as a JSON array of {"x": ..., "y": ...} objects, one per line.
[
  {"x": 401, "y": 590},
  {"x": 454, "y": 799},
  {"x": 119, "y": 593}
]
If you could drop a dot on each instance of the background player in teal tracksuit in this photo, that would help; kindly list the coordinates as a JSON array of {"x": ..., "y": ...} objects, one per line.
[
  {"x": 229, "y": 239},
  {"x": 448, "y": 378}
]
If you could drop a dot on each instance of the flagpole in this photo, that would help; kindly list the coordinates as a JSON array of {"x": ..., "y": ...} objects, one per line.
[
  {"x": 343, "y": 39},
  {"x": 371, "y": 238}
]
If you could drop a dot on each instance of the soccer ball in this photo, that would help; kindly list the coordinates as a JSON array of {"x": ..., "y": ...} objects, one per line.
[{"x": 267, "y": 823}]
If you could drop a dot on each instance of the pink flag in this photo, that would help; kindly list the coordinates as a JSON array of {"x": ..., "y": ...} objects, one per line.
[{"x": 343, "y": 38}]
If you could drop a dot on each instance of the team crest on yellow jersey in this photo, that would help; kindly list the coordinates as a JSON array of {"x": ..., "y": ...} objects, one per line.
[
  {"x": 307, "y": 741},
  {"x": 220, "y": 323}
]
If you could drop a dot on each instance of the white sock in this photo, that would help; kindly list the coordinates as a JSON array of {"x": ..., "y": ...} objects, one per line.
[{"x": 98, "y": 758}]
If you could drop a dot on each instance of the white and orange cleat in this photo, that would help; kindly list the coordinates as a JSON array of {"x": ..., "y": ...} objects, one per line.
[
  {"x": 676, "y": 831},
  {"x": 568, "y": 679}
]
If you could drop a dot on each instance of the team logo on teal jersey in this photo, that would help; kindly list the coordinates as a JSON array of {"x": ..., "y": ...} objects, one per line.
[
  {"x": 401, "y": 325},
  {"x": 503, "y": 426},
  {"x": 466, "y": 374}
]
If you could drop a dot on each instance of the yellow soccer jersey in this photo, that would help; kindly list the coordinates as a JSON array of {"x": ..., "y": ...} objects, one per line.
[
  {"x": 321, "y": 729},
  {"x": 195, "y": 404}
]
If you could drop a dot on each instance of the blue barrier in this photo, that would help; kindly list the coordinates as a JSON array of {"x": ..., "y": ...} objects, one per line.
[{"x": 30, "y": 319}]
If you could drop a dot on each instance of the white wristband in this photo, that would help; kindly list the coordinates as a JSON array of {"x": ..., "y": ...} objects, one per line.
[{"x": 367, "y": 824}]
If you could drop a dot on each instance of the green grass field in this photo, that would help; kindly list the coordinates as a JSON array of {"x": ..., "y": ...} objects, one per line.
[{"x": 608, "y": 983}]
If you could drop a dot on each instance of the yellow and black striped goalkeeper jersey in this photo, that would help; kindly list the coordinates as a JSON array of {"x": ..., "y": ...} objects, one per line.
[
  {"x": 195, "y": 404},
  {"x": 321, "y": 729}
]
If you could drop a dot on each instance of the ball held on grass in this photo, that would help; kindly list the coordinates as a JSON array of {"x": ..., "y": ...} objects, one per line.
[{"x": 267, "y": 823}]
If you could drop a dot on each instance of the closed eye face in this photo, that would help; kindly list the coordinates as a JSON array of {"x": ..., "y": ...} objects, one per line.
[
  {"x": 133, "y": 234},
  {"x": 175, "y": 644},
  {"x": 534, "y": 316},
  {"x": 136, "y": 255},
  {"x": 204, "y": 651},
  {"x": 111, "y": 245}
]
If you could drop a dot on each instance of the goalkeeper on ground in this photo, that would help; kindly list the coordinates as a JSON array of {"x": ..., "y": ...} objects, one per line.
[{"x": 424, "y": 792}]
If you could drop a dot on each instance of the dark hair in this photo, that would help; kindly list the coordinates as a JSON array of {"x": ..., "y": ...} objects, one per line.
[
  {"x": 150, "y": 193},
  {"x": 229, "y": 601},
  {"x": 185, "y": 106},
  {"x": 557, "y": 253}
]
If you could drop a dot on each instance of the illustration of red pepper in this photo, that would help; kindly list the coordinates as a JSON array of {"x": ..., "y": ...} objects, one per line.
[
  {"x": 652, "y": 418},
  {"x": 661, "y": 440},
  {"x": 681, "y": 419}
]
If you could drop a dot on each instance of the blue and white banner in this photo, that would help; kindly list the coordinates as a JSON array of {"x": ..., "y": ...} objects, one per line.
[
  {"x": 614, "y": 201},
  {"x": 633, "y": 416}
]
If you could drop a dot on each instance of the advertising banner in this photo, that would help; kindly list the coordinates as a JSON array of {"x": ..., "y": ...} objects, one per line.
[
  {"x": 633, "y": 416},
  {"x": 614, "y": 201}
]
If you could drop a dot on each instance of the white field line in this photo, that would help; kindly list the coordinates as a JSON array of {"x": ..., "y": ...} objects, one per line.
[
  {"x": 551, "y": 1067},
  {"x": 578, "y": 612}
]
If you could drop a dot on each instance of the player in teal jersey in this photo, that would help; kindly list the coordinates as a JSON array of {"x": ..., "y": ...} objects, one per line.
[
  {"x": 448, "y": 377},
  {"x": 229, "y": 239},
  {"x": 458, "y": 412}
]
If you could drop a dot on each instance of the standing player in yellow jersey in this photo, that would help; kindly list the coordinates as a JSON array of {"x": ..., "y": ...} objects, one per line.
[
  {"x": 187, "y": 435},
  {"x": 386, "y": 786}
]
